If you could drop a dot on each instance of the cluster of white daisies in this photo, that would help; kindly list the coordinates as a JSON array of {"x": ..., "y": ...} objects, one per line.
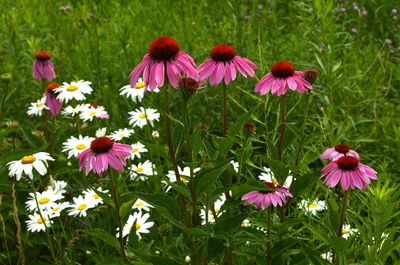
[{"x": 47, "y": 205}]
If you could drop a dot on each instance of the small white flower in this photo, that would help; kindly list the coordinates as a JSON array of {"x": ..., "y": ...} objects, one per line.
[
  {"x": 137, "y": 149},
  {"x": 312, "y": 206},
  {"x": 268, "y": 176},
  {"x": 37, "y": 107},
  {"x": 101, "y": 132},
  {"x": 217, "y": 210},
  {"x": 121, "y": 133},
  {"x": 91, "y": 112},
  {"x": 74, "y": 146},
  {"x": 27, "y": 163},
  {"x": 141, "y": 116},
  {"x": 55, "y": 209},
  {"x": 327, "y": 256},
  {"x": 80, "y": 206},
  {"x": 235, "y": 165},
  {"x": 184, "y": 176},
  {"x": 137, "y": 92},
  {"x": 141, "y": 225},
  {"x": 45, "y": 200},
  {"x": 74, "y": 90},
  {"x": 93, "y": 197},
  {"x": 141, "y": 205},
  {"x": 69, "y": 110},
  {"x": 57, "y": 186},
  {"x": 347, "y": 231},
  {"x": 245, "y": 223},
  {"x": 36, "y": 223},
  {"x": 187, "y": 259},
  {"x": 141, "y": 170},
  {"x": 155, "y": 135}
]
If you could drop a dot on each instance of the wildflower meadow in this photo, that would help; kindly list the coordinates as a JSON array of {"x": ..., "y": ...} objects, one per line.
[{"x": 221, "y": 132}]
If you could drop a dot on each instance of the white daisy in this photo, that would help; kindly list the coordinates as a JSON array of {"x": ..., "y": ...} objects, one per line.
[
  {"x": 137, "y": 92},
  {"x": 69, "y": 110},
  {"x": 137, "y": 149},
  {"x": 138, "y": 222},
  {"x": 184, "y": 174},
  {"x": 74, "y": 146},
  {"x": 37, "y": 107},
  {"x": 245, "y": 223},
  {"x": 141, "y": 116},
  {"x": 312, "y": 206},
  {"x": 27, "y": 163},
  {"x": 217, "y": 210},
  {"x": 80, "y": 206},
  {"x": 101, "y": 132},
  {"x": 347, "y": 231},
  {"x": 92, "y": 196},
  {"x": 36, "y": 223},
  {"x": 211, "y": 218},
  {"x": 155, "y": 135},
  {"x": 74, "y": 90},
  {"x": 46, "y": 200},
  {"x": 57, "y": 186},
  {"x": 327, "y": 256},
  {"x": 141, "y": 170},
  {"x": 268, "y": 176},
  {"x": 89, "y": 113},
  {"x": 121, "y": 133},
  {"x": 56, "y": 209},
  {"x": 141, "y": 205},
  {"x": 235, "y": 165}
]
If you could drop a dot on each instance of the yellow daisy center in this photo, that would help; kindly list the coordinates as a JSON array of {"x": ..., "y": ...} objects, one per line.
[
  {"x": 183, "y": 179},
  {"x": 242, "y": 225},
  {"x": 139, "y": 169},
  {"x": 211, "y": 217},
  {"x": 82, "y": 207},
  {"x": 140, "y": 85},
  {"x": 80, "y": 146},
  {"x": 44, "y": 200},
  {"x": 345, "y": 231},
  {"x": 143, "y": 116},
  {"x": 312, "y": 205},
  {"x": 139, "y": 204},
  {"x": 275, "y": 182},
  {"x": 39, "y": 105},
  {"x": 216, "y": 210},
  {"x": 121, "y": 135},
  {"x": 92, "y": 113},
  {"x": 28, "y": 160},
  {"x": 40, "y": 220},
  {"x": 72, "y": 88},
  {"x": 96, "y": 196},
  {"x": 137, "y": 226},
  {"x": 56, "y": 209},
  {"x": 134, "y": 150}
]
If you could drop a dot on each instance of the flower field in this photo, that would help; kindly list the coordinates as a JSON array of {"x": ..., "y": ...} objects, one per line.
[{"x": 199, "y": 132}]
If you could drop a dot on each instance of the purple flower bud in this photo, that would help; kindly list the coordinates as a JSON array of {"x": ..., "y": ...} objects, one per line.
[
  {"x": 391, "y": 51},
  {"x": 338, "y": 19},
  {"x": 394, "y": 11},
  {"x": 342, "y": 10},
  {"x": 310, "y": 9},
  {"x": 388, "y": 41},
  {"x": 67, "y": 8},
  {"x": 62, "y": 9},
  {"x": 364, "y": 13},
  {"x": 353, "y": 30}
]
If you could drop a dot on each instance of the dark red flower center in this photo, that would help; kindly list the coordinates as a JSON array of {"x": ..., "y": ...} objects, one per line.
[
  {"x": 42, "y": 56},
  {"x": 223, "y": 53},
  {"x": 248, "y": 126},
  {"x": 269, "y": 184},
  {"x": 163, "y": 49},
  {"x": 189, "y": 83},
  {"x": 342, "y": 148},
  {"x": 94, "y": 105},
  {"x": 347, "y": 163},
  {"x": 101, "y": 145},
  {"x": 282, "y": 69},
  {"x": 51, "y": 87}
]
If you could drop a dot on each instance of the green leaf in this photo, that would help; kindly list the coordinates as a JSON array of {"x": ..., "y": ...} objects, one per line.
[
  {"x": 33, "y": 141},
  {"x": 236, "y": 127},
  {"x": 197, "y": 232},
  {"x": 113, "y": 261},
  {"x": 339, "y": 244},
  {"x": 106, "y": 198},
  {"x": 205, "y": 179},
  {"x": 125, "y": 208},
  {"x": 195, "y": 141},
  {"x": 250, "y": 185},
  {"x": 104, "y": 236},
  {"x": 181, "y": 187},
  {"x": 226, "y": 225},
  {"x": 223, "y": 144},
  {"x": 155, "y": 259}
]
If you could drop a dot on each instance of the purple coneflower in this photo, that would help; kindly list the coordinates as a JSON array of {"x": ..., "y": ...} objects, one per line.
[
  {"x": 102, "y": 152},
  {"x": 52, "y": 102},
  {"x": 264, "y": 198},
  {"x": 164, "y": 53},
  {"x": 281, "y": 77},
  {"x": 338, "y": 151},
  {"x": 43, "y": 68},
  {"x": 349, "y": 171},
  {"x": 223, "y": 64}
]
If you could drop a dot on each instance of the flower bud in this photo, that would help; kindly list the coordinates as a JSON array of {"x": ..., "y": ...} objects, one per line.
[
  {"x": 157, "y": 252},
  {"x": 155, "y": 135},
  {"x": 5, "y": 76},
  {"x": 310, "y": 75},
  {"x": 187, "y": 259}
]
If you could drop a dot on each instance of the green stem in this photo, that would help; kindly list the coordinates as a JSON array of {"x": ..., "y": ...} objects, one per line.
[
  {"x": 44, "y": 223},
  {"x": 282, "y": 114},
  {"x": 186, "y": 126},
  {"x": 303, "y": 128},
  {"x": 115, "y": 197},
  {"x": 339, "y": 234},
  {"x": 4, "y": 100},
  {"x": 51, "y": 149},
  {"x": 45, "y": 114},
  {"x": 269, "y": 236},
  {"x": 241, "y": 160}
]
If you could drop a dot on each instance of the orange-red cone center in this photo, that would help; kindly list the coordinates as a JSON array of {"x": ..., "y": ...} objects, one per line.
[
  {"x": 222, "y": 52},
  {"x": 51, "y": 87},
  {"x": 282, "y": 69},
  {"x": 101, "y": 145},
  {"x": 347, "y": 163},
  {"x": 163, "y": 49},
  {"x": 342, "y": 148},
  {"x": 42, "y": 56}
]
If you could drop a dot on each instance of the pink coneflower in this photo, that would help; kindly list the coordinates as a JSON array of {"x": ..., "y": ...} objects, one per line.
[
  {"x": 338, "y": 151},
  {"x": 349, "y": 171},
  {"x": 164, "y": 52},
  {"x": 104, "y": 151},
  {"x": 43, "y": 68},
  {"x": 281, "y": 77},
  {"x": 223, "y": 64},
  {"x": 52, "y": 102},
  {"x": 264, "y": 198}
]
